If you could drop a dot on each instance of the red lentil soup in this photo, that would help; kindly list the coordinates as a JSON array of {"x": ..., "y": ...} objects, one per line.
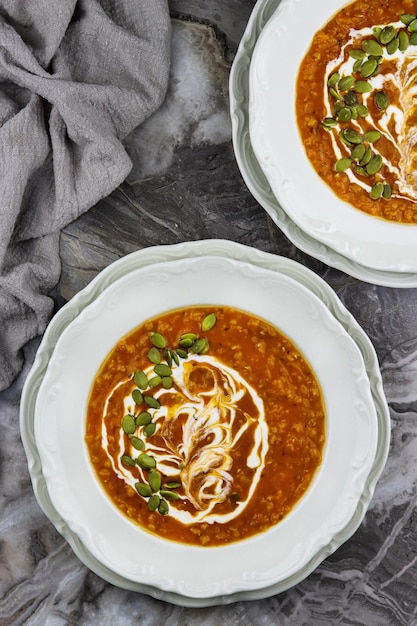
[
  {"x": 356, "y": 106},
  {"x": 205, "y": 425}
]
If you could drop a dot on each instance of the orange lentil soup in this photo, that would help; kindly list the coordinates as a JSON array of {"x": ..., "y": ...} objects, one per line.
[
  {"x": 205, "y": 426},
  {"x": 356, "y": 106}
]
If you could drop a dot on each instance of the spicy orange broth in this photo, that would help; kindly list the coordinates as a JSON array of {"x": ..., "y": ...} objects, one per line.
[
  {"x": 310, "y": 108},
  {"x": 293, "y": 406}
]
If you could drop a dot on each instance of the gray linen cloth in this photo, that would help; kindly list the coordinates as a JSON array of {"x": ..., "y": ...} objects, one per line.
[{"x": 76, "y": 76}]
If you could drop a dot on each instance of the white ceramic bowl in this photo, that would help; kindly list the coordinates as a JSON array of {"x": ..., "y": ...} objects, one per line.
[
  {"x": 255, "y": 178},
  {"x": 309, "y": 202},
  {"x": 259, "y": 563}
]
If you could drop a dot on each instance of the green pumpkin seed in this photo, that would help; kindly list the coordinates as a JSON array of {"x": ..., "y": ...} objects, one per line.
[
  {"x": 407, "y": 18},
  {"x": 152, "y": 402},
  {"x": 200, "y": 346},
  {"x": 413, "y": 38},
  {"x": 191, "y": 336},
  {"x": 342, "y": 165},
  {"x": 412, "y": 26},
  {"x": 333, "y": 79},
  {"x": 140, "y": 379},
  {"x": 357, "y": 64},
  {"x": 154, "y": 355},
  {"x": 143, "y": 489},
  {"x": 335, "y": 94},
  {"x": 208, "y": 322},
  {"x": 372, "y": 47},
  {"x": 345, "y": 83},
  {"x": 344, "y": 115},
  {"x": 356, "y": 53},
  {"x": 145, "y": 461},
  {"x": 186, "y": 342},
  {"x": 163, "y": 507},
  {"x": 388, "y": 33},
  {"x": 154, "y": 480},
  {"x": 137, "y": 443},
  {"x": 143, "y": 419},
  {"x": 353, "y": 113},
  {"x": 128, "y": 424},
  {"x": 155, "y": 381},
  {"x": 393, "y": 45},
  {"x": 162, "y": 370},
  {"x": 153, "y": 502},
  {"x": 329, "y": 122},
  {"x": 182, "y": 353},
  {"x": 381, "y": 100},
  {"x": 158, "y": 340},
  {"x": 362, "y": 110},
  {"x": 387, "y": 193},
  {"x": 172, "y": 485},
  {"x": 377, "y": 32},
  {"x": 366, "y": 157},
  {"x": 377, "y": 190},
  {"x": 127, "y": 460},
  {"x": 169, "y": 495},
  {"x": 167, "y": 382},
  {"x": 175, "y": 358},
  {"x": 352, "y": 136},
  {"x": 362, "y": 86},
  {"x": 149, "y": 430},
  {"x": 168, "y": 357},
  {"x": 403, "y": 40},
  {"x": 376, "y": 57},
  {"x": 343, "y": 139},
  {"x": 351, "y": 99},
  {"x": 137, "y": 397},
  {"x": 361, "y": 171},
  {"x": 372, "y": 135},
  {"x": 357, "y": 152},
  {"x": 374, "y": 165},
  {"x": 368, "y": 68}
]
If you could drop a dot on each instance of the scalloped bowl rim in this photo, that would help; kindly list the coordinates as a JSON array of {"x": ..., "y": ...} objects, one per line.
[
  {"x": 142, "y": 258},
  {"x": 257, "y": 568}
]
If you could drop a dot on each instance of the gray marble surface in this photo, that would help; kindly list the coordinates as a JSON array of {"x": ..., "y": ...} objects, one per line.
[{"x": 185, "y": 185}]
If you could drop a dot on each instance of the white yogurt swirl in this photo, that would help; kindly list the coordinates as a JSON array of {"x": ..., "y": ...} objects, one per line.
[{"x": 201, "y": 431}]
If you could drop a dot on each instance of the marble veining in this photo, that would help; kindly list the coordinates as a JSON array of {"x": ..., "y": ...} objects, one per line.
[{"x": 185, "y": 185}]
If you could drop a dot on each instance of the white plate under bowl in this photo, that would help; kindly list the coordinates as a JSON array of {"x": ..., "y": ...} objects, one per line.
[
  {"x": 69, "y": 313},
  {"x": 311, "y": 204},
  {"x": 270, "y": 557}
]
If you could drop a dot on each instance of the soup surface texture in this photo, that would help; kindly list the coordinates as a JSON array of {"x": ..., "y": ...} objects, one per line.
[
  {"x": 205, "y": 425},
  {"x": 356, "y": 106}
]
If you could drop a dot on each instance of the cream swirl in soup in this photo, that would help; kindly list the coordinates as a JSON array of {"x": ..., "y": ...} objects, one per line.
[{"x": 209, "y": 411}]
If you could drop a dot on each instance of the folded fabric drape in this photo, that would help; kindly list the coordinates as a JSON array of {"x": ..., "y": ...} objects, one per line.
[{"x": 75, "y": 79}]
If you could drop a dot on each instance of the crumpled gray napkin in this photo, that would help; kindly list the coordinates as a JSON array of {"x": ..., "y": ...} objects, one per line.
[{"x": 75, "y": 78}]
